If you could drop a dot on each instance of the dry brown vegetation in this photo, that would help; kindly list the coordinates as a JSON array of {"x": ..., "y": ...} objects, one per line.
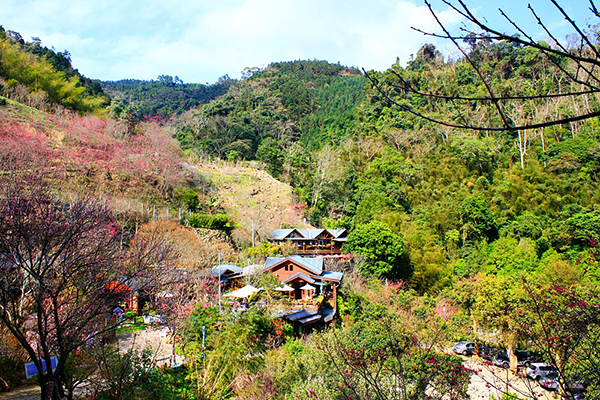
[
  {"x": 136, "y": 175},
  {"x": 82, "y": 154},
  {"x": 194, "y": 248},
  {"x": 249, "y": 194}
]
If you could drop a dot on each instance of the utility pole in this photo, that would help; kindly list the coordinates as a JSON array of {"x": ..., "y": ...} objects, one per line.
[
  {"x": 203, "y": 341},
  {"x": 219, "y": 266}
]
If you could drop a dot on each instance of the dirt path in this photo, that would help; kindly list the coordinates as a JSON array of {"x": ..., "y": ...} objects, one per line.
[
  {"x": 28, "y": 392},
  {"x": 487, "y": 381},
  {"x": 157, "y": 340}
]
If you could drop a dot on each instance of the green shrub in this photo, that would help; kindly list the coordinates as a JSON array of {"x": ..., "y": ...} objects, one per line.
[
  {"x": 187, "y": 198},
  {"x": 208, "y": 221}
]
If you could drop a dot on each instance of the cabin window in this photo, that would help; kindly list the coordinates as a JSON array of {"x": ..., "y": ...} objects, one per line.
[
  {"x": 291, "y": 267},
  {"x": 286, "y": 268}
]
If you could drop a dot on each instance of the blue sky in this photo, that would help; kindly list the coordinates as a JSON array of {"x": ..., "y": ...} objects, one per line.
[{"x": 201, "y": 40}]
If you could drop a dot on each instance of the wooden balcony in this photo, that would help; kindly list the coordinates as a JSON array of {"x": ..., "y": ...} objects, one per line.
[
  {"x": 317, "y": 251},
  {"x": 304, "y": 305}
]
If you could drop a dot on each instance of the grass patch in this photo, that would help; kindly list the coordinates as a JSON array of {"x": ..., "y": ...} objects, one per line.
[{"x": 134, "y": 325}]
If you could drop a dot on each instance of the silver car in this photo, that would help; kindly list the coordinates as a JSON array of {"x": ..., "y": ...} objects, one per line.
[
  {"x": 549, "y": 382},
  {"x": 537, "y": 371},
  {"x": 464, "y": 348}
]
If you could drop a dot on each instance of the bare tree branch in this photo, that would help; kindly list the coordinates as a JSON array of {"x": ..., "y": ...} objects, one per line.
[
  {"x": 583, "y": 61},
  {"x": 483, "y": 128}
]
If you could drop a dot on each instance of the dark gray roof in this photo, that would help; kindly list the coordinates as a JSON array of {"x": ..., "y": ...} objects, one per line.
[
  {"x": 132, "y": 282},
  {"x": 338, "y": 232},
  {"x": 328, "y": 314},
  {"x": 332, "y": 276},
  {"x": 8, "y": 260},
  {"x": 310, "y": 316},
  {"x": 300, "y": 275},
  {"x": 281, "y": 234},
  {"x": 300, "y": 314},
  {"x": 225, "y": 269},
  {"x": 310, "y": 233},
  {"x": 311, "y": 319}
]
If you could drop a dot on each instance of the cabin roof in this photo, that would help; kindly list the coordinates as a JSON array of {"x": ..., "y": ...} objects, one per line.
[
  {"x": 300, "y": 275},
  {"x": 314, "y": 265},
  {"x": 280, "y": 234},
  {"x": 307, "y": 234},
  {"x": 133, "y": 283},
  {"x": 332, "y": 276},
  {"x": 225, "y": 269},
  {"x": 8, "y": 261}
]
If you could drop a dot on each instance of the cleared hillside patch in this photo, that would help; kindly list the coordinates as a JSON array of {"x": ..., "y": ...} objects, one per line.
[{"x": 251, "y": 195}]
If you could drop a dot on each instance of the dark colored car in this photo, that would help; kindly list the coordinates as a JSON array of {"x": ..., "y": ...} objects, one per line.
[
  {"x": 489, "y": 352},
  {"x": 524, "y": 359},
  {"x": 575, "y": 384}
]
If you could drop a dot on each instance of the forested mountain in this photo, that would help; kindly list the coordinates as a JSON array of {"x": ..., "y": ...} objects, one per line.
[
  {"x": 164, "y": 97},
  {"x": 464, "y": 202},
  {"x": 289, "y": 109},
  {"x": 484, "y": 234}
]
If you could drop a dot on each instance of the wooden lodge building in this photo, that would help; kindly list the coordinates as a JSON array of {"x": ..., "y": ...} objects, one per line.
[
  {"x": 304, "y": 280},
  {"x": 310, "y": 290},
  {"x": 313, "y": 242}
]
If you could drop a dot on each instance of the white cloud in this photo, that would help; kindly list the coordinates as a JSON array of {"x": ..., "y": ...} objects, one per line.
[{"x": 202, "y": 40}]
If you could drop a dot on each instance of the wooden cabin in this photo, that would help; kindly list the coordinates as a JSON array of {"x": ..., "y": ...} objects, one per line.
[{"x": 313, "y": 242}]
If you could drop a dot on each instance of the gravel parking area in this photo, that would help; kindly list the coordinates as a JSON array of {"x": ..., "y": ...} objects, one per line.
[{"x": 489, "y": 381}]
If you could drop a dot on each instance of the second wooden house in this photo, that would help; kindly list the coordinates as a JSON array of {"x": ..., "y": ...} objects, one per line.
[{"x": 314, "y": 242}]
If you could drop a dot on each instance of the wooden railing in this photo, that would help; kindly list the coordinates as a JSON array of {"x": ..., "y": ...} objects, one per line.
[
  {"x": 304, "y": 305},
  {"x": 317, "y": 250}
]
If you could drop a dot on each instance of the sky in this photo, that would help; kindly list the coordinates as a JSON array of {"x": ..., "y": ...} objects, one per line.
[{"x": 202, "y": 40}]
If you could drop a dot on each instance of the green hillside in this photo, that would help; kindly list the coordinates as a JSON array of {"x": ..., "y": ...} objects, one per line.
[
  {"x": 456, "y": 197},
  {"x": 165, "y": 97},
  {"x": 37, "y": 76},
  {"x": 462, "y": 226}
]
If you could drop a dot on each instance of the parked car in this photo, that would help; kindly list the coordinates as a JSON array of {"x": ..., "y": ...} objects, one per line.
[
  {"x": 575, "y": 384},
  {"x": 537, "y": 371},
  {"x": 464, "y": 348},
  {"x": 490, "y": 352},
  {"x": 524, "y": 359},
  {"x": 549, "y": 382},
  {"x": 501, "y": 360},
  {"x": 575, "y": 396}
]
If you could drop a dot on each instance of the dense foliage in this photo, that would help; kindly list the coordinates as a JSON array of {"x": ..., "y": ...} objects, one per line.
[
  {"x": 33, "y": 74},
  {"x": 490, "y": 237},
  {"x": 164, "y": 97},
  {"x": 308, "y": 103},
  {"x": 463, "y": 202}
]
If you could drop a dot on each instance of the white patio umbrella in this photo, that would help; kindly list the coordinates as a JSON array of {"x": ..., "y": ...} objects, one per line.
[
  {"x": 285, "y": 288},
  {"x": 244, "y": 292}
]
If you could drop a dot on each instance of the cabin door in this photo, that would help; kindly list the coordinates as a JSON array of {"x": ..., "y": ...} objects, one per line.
[{"x": 297, "y": 291}]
